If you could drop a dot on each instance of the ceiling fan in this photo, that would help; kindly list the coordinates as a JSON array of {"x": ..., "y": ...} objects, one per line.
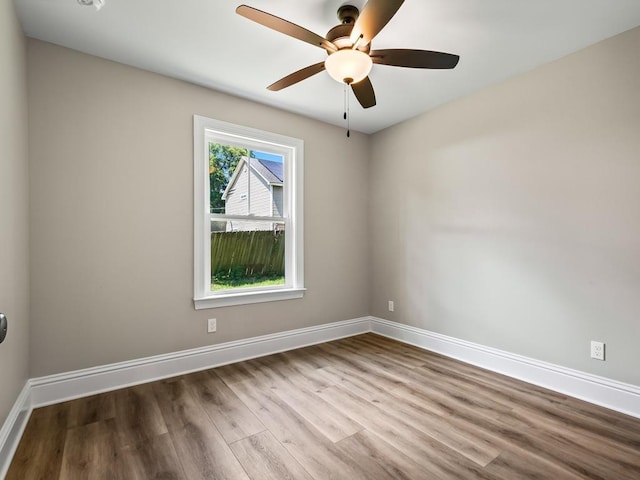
[{"x": 348, "y": 46}]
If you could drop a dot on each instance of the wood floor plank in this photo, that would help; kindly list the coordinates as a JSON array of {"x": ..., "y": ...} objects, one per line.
[
  {"x": 177, "y": 405},
  {"x": 264, "y": 458},
  {"x": 340, "y": 371},
  {"x": 231, "y": 417},
  {"x": 365, "y": 407},
  {"x": 91, "y": 409},
  {"x": 235, "y": 372},
  {"x": 307, "y": 357},
  {"x": 264, "y": 374},
  {"x": 154, "y": 459},
  {"x": 284, "y": 369},
  {"x": 39, "y": 453},
  {"x": 505, "y": 395},
  {"x": 204, "y": 454},
  {"x": 601, "y": 421},
  {"x": 372, "y": 358},
  {"x": 334, "y": 355},
  {"x": 463, "y": 391},
  {"x": 370, "y": 388},
  {"x": 439, "y": 460},
  {"x": 92, "y": 452},
  {"x": 376, "y": 450},
  {"x": 582, "y": 432},
  {"x": 581, "y": 454},
  {"x": 437, "y": 393},
  {"x": 450, "y": 400},
  {"x": 138, "y": 416},
  {"x": 469, "y": 442},
  {"x": 477, "y": 444},
  {"x": 305, "y": 363},
  {"x": 438, "y": 385},
  {"x": 510, "y": 465},
  {"x": 320, "y": 457},
  {"x": 493, "y": 379},
  {"x": 290, "y": 387},
  {"x": 468, "y": 439},
  {"x": 416, "y": 355},
  {"x": 371, "y": 346},
  {"x": 331, "y": 422}
]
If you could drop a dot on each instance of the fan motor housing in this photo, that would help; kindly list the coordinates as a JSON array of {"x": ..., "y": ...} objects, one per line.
[
  {"x": 348, "y": 14},
  {"x": 340, "y": 36}
]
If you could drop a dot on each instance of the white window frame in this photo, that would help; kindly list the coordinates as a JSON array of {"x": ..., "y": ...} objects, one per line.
[{"x": 292, "y": 149}]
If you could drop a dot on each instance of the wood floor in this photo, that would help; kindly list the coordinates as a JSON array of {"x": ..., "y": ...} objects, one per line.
[{"x": 360, "y": 408}]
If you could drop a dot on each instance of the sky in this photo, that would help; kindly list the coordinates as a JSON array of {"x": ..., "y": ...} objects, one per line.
[{"x": 267, "y": 156}]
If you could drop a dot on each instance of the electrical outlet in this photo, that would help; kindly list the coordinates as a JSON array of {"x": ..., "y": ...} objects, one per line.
[
  {"x": 597, "y": 350},
  {"x": 391, "y": 306},
  {"x": 211, "y": 325}
]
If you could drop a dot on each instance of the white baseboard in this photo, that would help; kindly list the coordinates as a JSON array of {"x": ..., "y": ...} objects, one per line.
[
  {"x": 58, "y": 388},
  {"x": 622, "y": 397},
  {"x": 81, "y": 383},
  {"x": 42, "y": 391},
  {"x": 13, "y": 427}
]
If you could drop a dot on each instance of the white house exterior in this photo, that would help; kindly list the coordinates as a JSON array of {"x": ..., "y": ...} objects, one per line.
[{"x": 255, "y": 188}]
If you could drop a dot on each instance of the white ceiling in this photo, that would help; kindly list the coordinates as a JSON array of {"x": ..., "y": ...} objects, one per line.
[{"x": 207, "y": 43}]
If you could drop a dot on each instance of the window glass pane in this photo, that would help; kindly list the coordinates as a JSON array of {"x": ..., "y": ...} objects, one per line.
[
  {"x": 248, "y": 257},
  {"x": 265, "y": 184},
  {"x": 223, "y": 161},
  {"x": 246, "y": 253},
  {"x": 245, "y": 182}
]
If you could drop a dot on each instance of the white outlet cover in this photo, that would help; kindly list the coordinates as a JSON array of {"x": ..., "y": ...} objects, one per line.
[
  {"x": 211, "y": 325},
  {"x": 597, "y": 350}
]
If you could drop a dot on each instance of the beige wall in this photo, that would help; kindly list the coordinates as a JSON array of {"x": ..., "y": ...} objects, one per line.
[
  {"x": 112, "y": 215},
  {"x": 14, "y": 239},
  {"x": 511, "y": 217}
]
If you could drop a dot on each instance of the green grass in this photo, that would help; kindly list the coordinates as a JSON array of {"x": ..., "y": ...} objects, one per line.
[{"x": 246, "y": 282}]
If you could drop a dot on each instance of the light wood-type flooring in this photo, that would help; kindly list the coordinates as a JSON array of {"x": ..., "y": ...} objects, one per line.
[{"x": 364, "y": 408}]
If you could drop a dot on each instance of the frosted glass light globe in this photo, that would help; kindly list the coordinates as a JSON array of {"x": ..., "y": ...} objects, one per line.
[{"x": 348, "y": 66}]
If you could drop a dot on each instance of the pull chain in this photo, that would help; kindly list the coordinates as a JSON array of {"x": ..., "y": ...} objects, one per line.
[
  {"x": 344, "y": 100},
  {"x": 347, "y": 114}
]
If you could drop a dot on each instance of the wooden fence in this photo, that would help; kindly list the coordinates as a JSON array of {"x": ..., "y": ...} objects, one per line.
[{"x": 247, "y": 253}]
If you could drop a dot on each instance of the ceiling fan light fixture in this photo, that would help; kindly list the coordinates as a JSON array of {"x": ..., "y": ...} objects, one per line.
[
  {"x": 348, "y": 65},
  {"x": 349, "y": 47},
  {"x": 98, "y": 4}
]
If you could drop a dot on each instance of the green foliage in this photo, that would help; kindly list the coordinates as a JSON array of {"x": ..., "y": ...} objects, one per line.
[
  {"x": 224, "y": 284},
  {"x": 223, "y": 160}
]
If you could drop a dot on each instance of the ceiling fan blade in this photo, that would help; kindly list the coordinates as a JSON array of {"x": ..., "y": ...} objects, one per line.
[
  {"x": 374, "y": 16},
  {"x": 401, "y": 57},
  {"x": 296, "y": 77},
  {"x": 363, "y": 90},
  {"x": 284, "y": 26}
]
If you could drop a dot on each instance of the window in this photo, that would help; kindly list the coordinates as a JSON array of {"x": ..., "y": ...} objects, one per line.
[{"x": 247, "y": 215}]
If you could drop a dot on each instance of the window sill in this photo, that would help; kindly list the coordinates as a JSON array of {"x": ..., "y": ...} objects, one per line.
[{"x": 245, "y": 298}]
